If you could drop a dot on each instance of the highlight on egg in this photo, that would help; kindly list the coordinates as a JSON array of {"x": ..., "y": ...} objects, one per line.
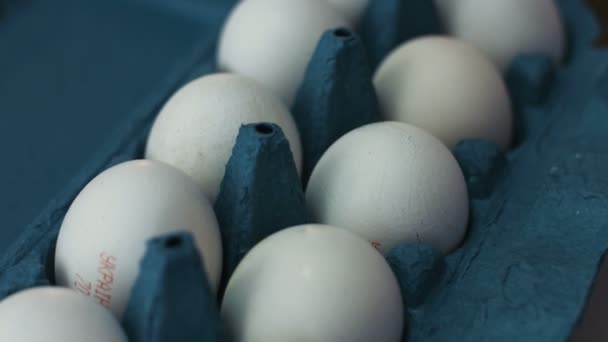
[
  {"x": 391, "y": 183},
  {"x": 197, "y": 128},
  {"x": 503, "y": 29},
  {"x": 448, "y": 88},
  {"x": 272, "y": 41},
  {"x": 314, "y": 283},
  {"x": 103, "y": 236}
]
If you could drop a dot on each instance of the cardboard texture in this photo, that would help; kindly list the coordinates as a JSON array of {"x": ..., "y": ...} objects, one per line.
[
  {"x": 336, "y": 96},
  {"x": 260, "y": 194},
  {"x": 171, "y": 299}
]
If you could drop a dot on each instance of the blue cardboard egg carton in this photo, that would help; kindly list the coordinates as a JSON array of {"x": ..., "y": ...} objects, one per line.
[{"x": 539, "y": 217}]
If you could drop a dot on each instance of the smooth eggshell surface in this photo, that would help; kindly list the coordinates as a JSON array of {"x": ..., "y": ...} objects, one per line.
[
  {"x": 104, "y": 233},
  {"x": 391, "y": 183},
  {"x": 53, "y": 314},
  {"x": 313, "y": 283},
  {"x": 351, "y": 9},
  {"x": 272, "y": 41},
  {"x": 447, "y": 88},
  {"x": 503, "y": 29},
  {"x": 197, "y": 128}
]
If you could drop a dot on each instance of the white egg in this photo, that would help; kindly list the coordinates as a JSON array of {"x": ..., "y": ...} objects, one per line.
[
  {"x": 353, "y": 10},
  {"x": 313, "y": 283},
  {"x": 272, "y": 41},
  {"x": 503, "y": 29},
  {"x": 391, "y": 183},
  {"x": 104, "y": 233},
  {"x": 448, "y": 88},
  {"x": 197, "y": 128},
  {"x": 53, "y": 314}
]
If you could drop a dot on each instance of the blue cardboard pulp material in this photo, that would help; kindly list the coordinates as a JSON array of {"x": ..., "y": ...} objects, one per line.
[
  {"x": 529, "y": 79},
  {"x": 336, "y": 96},
  {"x": 261, "y": 192},
  {"x": 171, "y": 299},
  {"x": 388, "y": 23},
  {"x": 539, "y": 222},
  {"x": 78, "y": 81},
  {"x": 482, "y": 165}
]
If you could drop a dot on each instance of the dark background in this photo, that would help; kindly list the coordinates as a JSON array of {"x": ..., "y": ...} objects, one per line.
[{"x": 600, "y": 7}]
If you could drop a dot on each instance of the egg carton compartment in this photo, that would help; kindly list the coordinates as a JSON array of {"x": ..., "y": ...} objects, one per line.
[{"x": 536, "y": 234}]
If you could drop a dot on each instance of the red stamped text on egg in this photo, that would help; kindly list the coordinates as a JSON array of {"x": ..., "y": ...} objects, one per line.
[
  {"x": 105, "y": 279},
  {"x": 101, "y": 290},
  {"x": 82, "y": 285}
]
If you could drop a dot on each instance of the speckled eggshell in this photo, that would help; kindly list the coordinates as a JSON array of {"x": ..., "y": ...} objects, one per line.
[
  {"x": 272, "y": 41},
  {"x": 103, "y": 236},
  {"x": 448, "y": 88},
  {"x": 503, "y": 29},
  {"x": 54, "y": 314},
  {"x": 197, "y": 128},
  {"x": 391, "y": 183},
  {"x": 313, "y": 283}
]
